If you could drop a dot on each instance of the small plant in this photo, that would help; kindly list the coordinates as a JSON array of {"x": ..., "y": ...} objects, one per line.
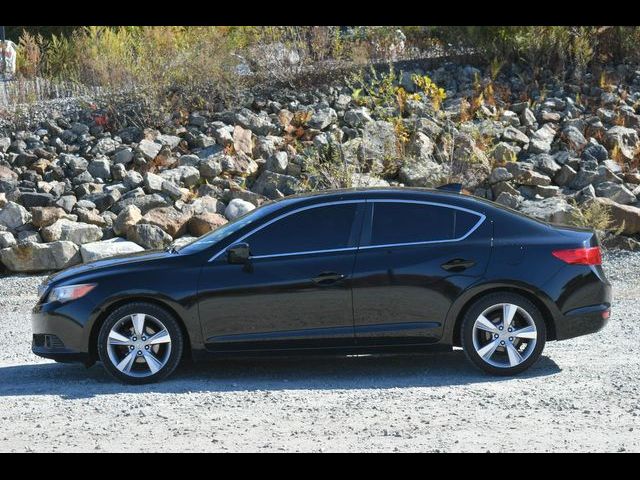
[
  {"x": 378, "y": 91},
  {"x": 593, "y": 214},
  {"x": 617, "y": 156},
  {"x": 466, "y": 111},
  {"x": 430, "y": 89},
  {"x": 326, "y": 169}
]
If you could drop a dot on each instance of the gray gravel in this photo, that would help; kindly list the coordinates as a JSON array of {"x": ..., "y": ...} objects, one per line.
[{"x": 582, "y": 395}]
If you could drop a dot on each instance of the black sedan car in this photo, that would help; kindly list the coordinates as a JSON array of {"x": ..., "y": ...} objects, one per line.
[{"x": 346, "y": 271}]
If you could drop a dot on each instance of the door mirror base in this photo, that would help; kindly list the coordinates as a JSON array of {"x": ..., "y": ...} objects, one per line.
[{"x": 238, "y": 254}]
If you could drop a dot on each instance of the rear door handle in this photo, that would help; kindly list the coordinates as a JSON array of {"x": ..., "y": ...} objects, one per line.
[
  {"x": 328, "y": 278},
  {"x": 458, "y": 265}
]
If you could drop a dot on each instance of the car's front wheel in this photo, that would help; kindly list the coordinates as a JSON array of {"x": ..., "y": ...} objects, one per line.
[
  {"x": 503, "y": 333},
  {"x": 140, "y": 343}
]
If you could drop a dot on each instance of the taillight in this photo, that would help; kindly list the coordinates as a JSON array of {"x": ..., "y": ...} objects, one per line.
[{"x": 580, "y": 256}]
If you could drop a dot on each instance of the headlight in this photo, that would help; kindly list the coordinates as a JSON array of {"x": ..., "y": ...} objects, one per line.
[{"x": 70, "y": 292}]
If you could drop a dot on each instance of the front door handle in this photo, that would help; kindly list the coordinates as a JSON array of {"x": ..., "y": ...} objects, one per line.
[
  {"x": 328, "y": 278},
  {"x": 458, "y": 265}
]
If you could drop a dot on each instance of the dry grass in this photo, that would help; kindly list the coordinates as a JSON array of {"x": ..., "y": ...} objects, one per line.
[{"x": 592, "y": 214}]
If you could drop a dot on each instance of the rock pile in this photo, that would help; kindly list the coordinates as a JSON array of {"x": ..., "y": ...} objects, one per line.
[{"x": 72, "y": 189}]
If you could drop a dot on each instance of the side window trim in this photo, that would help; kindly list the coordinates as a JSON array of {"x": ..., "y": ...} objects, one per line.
[
  {"x": 357, "y": 219},
  {"x": 368, "y": 228}
]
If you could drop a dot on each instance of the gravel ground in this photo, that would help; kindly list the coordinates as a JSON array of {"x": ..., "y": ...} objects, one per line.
[{"x": 582, "y": 395}]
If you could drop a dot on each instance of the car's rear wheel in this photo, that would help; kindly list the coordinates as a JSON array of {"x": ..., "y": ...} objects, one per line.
[
  {"x": 503, "y": 333},
  {"x": 140, "y": 343}
]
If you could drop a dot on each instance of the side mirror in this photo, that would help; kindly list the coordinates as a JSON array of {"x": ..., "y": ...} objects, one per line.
[{"x": 238, "y": 254}]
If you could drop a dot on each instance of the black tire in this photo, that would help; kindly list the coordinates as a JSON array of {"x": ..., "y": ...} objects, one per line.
[
  {"x": 167, "y": 320},
  {"x": 477, "y": 308}
]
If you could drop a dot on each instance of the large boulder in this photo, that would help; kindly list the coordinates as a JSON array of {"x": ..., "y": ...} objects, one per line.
[
  {"x": 554, "y": 210},
  {"x": 100, "y": 168},
  {"x": 153, "y": 182},
  {"x": 239, "y": 164},
  {"x": 278, "y": 162},
  {"x": 275, "y": 185},
  {"x": 546, "y": 164},
  {"x": 242, "y": 140},
  {"x": 616, "y": 192},
  {"x": 149, "y": 236},
  {"x": 531, "y": 177},
  {"x": 149, "y": 149},
  {"x": 422, "y": 174},
  {"x": 260, "y": 124},
  {"x": 379, "y": 145},
  {"x": 40, "y": 257},
  {"x": 13, "y": 215},
  {"x": 127, "y": 218},
  {"x": 91, "y": 216},
  {"x": 565, "y": 175},
  {"x": 500, "y": 174},
  {"x": 357, "y": 117},
  {"x": 512, "y": 134},
  {"x": 36, "y": 199},
  {"x": 322, "y": 118},
  {"x": 45, "y": 216},
  {"x": 624, "y": 139},
  {"x": 7, "y": 174},
  {"x": 108, "y": 248},
  {"x": 541, "y": 139},
  {"x": 204, "y": 223},
  {"x": 574, "y": 138},
  {"x": 421, "y": 146},
  {"x": 67, "y": 230},
  {"x": 237, "y": 207},
  {"x": 168, "y": 219},
  {"x": 7, "y": 239}
]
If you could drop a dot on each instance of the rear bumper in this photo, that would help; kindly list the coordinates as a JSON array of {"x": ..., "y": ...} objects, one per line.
[{"x": 582, "y": 321}]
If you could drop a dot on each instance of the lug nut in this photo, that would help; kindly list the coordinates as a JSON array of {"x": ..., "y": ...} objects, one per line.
[
  {"x": 131, "y": 347},
  {"x": 500, "y": 328},
  {"x": 144, "y": 339},
  {"x": 511, "y": 330},
  {"x": 146, "y": 347},
  {"x": 134, "y": 339},
  {"x": 140, "y": 351},
  {"x": 496, "y": 335},
  {"x": 511, "y": 339},
  {"x": 502, "y": 342}
]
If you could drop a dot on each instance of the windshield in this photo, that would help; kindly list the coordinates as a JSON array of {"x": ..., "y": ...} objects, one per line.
[{"x": 219, "y": 234}]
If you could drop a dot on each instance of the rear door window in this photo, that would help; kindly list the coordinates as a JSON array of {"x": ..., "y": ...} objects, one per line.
[{"x": 404, "y": 222}]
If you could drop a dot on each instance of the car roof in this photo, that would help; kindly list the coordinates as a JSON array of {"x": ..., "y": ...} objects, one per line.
[
  {"x": 384, "y": 192},
  {"x": 471, "y": 202}
]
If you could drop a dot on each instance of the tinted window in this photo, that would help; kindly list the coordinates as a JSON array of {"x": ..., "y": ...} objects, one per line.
[
  {"x": 413, "y": 222},
  {"x": 319, "y": 228}
]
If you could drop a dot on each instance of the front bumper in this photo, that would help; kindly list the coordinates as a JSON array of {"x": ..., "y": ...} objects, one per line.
[{"x": 57, "y": 335}]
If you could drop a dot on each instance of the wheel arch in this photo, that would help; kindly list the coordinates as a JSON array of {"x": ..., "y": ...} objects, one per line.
[
  {"x": 458, "y": 310},
  {"x": 111, "y": 307}
]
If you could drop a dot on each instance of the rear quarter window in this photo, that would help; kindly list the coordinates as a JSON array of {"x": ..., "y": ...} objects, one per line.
[{"x": 464, "y": 222}]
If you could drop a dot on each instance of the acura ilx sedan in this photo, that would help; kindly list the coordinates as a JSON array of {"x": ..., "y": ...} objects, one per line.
[{"x": 348, "y": 271}]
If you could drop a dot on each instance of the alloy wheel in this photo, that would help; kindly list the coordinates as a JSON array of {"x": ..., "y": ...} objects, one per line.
[
  {"x": 139, "y": 345},
  {"x": 504, "y": 335}
]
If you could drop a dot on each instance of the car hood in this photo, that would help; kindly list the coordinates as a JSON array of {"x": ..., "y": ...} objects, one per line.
[{"x": 126, "y": 259}]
